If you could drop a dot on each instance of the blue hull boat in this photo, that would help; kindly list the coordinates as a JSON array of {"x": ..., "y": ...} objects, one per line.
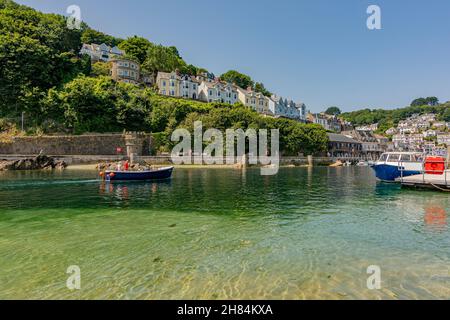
[
  {"x": 390, "y": 173},
  {"x": 159, "y": 174},
  {"x": 393, "y": 165}
]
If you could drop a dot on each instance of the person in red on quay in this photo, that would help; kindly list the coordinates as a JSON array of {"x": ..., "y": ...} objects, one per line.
[{"x": 126, "y": 166}]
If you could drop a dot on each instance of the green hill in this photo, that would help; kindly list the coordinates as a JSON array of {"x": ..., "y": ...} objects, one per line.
[
  {"x": 42, "y": 76},
  {"x": 389, "y": 118}
]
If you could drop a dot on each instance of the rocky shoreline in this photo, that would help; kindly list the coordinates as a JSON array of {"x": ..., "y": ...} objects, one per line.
[{"x": 41, "y": 162}]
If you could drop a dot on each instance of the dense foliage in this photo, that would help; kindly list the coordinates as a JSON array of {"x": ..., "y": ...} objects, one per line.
[
  {"x": 93, "y": 36},
  {"x": 430, "y": 101},
  {"x": 37, "y": 52},
  {"x": 333, "y": 111}
]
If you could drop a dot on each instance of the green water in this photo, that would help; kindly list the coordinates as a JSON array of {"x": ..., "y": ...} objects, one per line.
[{"x": 222, "y": 234}]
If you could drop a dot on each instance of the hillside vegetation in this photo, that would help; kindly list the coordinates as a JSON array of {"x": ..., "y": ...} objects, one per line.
[{"x": 42, "y": 76}]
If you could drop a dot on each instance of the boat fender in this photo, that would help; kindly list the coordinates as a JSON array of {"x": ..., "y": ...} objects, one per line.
[{"x": 112, "y": 175}]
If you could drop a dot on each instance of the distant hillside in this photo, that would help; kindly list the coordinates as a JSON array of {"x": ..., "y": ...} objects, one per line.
[{"x": 389, "y": 118}]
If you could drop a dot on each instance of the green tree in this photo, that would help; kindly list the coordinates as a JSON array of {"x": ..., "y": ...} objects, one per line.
[
  {"x": 446, "y": 115},
  {"x": 160, "y": 58},
  {"x": 241, "y": 80},
  {"x": 259, "y": 87},
  {"x": 101, "y": 69},
  {"x": 189, "y": 70},
  {"x": 175, "y": 51},
  {"x": 136, "y": 47},
  {"x": 432, "y": 101},
  {"x": 429, "y": 101},
  {"x": 37, "y": 52},
  {"x": 333, "y": 111},
  {"x": 93, "y": 36}
]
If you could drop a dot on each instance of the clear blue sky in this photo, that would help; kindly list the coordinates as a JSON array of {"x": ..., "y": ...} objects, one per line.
[{"x": 316, "y": 51}]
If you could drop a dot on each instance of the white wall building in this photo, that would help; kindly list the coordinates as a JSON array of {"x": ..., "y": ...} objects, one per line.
[
  {"x": 280, "y": 107},
  {"x": 391, "y": 131},
  {"x": 189, "y": 87},
  {"x": 101, "y": 52},
  {"x": 218, "y": 92},
  {"x": 429, "y": 133}
]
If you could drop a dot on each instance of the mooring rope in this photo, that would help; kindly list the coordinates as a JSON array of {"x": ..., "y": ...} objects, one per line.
[{"x": 439, "y": 188}]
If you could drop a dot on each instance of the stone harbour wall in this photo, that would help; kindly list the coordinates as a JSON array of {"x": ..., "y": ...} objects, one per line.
[{"x": 94, "y": 144}]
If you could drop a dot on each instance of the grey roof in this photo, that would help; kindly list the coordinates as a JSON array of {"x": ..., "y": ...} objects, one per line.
[{"x": 334, "y": 137}]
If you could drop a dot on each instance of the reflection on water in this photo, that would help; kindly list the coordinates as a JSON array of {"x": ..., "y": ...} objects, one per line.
[
  {"x": 436, "y": 217},
  {"x": 222, "y": 233}
]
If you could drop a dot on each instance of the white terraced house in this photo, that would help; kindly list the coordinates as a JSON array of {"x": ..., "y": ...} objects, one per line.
[
  {"x": 189, "y": 87},
  {"x": 408, "y": 141},
  {"x": 101, "y": 52},
  {"x": 218, "y": 92},
  {"x": 283, "y": 108}
]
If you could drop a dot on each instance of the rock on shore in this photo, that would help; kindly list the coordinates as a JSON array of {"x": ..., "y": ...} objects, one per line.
[{"x": 41, "y": 162}]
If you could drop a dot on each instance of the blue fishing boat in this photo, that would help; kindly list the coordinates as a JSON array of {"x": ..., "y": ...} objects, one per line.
[
  {"x": 393, "y": 165},
  {"x": 157, "y": 174}
]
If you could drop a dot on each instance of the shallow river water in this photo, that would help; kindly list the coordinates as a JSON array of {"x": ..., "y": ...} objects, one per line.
[{"x": 222, "y": 234}]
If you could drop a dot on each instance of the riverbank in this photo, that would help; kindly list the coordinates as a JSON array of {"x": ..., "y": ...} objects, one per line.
[
  {"x": 160, "y": 160},
  {"x": 88, "y": 167}
]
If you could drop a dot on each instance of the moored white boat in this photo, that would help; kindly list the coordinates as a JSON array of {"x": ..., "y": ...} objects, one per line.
[{"x": 362, "y": 163}]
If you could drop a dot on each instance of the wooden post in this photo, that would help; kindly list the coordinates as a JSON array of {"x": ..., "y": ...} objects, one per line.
[
  {"x": 310, "y": 161},
  {"x": 448, "y": 157}
]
